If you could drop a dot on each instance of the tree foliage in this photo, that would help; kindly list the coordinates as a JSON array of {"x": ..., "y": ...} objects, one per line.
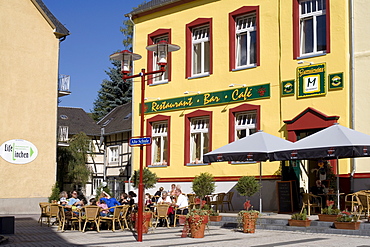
[
  {"x": 72, "y": 161},
  {"x": 149, "y": 178},
  {"x": 203, "y": 185},
  {"x": 247, "y": 186}
]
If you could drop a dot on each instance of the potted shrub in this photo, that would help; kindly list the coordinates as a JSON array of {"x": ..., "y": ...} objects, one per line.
[
  {"x": 329, "y": 214},
  {"x": 197, "y": 219},
  {"x": 149, "y": 181},
  {"x": 214, "y": 215},
  {"x": 300, "y": 219},
  {"x": 348, "y": 221},
  {"x": 203, "y": 185},
  {"x": 247, "y": 186}
]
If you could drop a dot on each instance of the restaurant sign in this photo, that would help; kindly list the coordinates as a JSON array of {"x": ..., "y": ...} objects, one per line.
[
  {"x": 18, "y": 151},
  {"x": 311, "y": 80},
  {"x": 209, "y": 99}
]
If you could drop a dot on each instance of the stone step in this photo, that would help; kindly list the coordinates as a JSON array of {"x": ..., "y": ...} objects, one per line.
[{"x": 282, "y": 225}]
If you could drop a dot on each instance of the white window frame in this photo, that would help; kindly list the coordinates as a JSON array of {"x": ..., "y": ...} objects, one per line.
[
  {"x": 199, "y": 127},
  {"x": 246, "y": 27},
  {"x": 245, "y": 121},
  {"x": 63, "y": 134},
  {"x": 113, "y": 154},
  {"x": 201, "y": 39},
  {"x": 311, "y": 10},
  {"x": 159, "y": 135},
  {"x": 158, "y": 79}
]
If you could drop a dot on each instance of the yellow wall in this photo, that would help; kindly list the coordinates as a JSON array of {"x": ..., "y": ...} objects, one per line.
[
  {"x": 277, "y": 64},
  {"x": 28, "y": 78}
]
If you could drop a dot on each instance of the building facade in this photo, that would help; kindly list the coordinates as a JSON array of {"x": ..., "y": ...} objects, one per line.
[
  {"x": 289, "y": 68},
  {"x": 30, "y": 39}
]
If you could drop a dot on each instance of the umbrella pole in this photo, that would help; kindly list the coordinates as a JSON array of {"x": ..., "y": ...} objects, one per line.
[
  {"x": 260, "y": 187},
  {"x": 338, "y": 203}
]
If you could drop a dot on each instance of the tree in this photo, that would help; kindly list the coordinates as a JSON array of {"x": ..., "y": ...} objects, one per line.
[
  {"x": 149, "y": 178},
  {"x": 114, "y": 92},
  {"x": 72, "y": 161},
  {"x": 203, "y": 185}
]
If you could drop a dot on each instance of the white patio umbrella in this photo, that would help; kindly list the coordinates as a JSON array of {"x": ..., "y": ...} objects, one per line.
[
  {"x": 334, "y": 142},
  {"x": 255, "y": 147}
]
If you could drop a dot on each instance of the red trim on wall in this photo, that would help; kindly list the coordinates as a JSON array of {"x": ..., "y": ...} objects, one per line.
[
  {"x": 197, "y": 113},
  {"x": 232, "y": 31},
  {"x": 306, "y": 120},
  {"x": 149, "y": 125},
  {"x": 188, "y": 35},
  {"x": 241, "y": 108},
  {"x": 217, "y": 179},
  {"x": 296, "y": 36},
  {"x": 151, "y": 37}
]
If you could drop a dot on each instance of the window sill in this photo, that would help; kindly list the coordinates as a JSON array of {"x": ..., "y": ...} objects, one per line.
[
  {"x": 199, "y": 164},
  {"x": 158, "y": 83},
  {"x": 312, "y": 55},
  {"x": 245, "y": 67},
  {"x": 242, "y": 162},
  {"x": 155, "y": 166},
  {"x": 198, "y": 76}
]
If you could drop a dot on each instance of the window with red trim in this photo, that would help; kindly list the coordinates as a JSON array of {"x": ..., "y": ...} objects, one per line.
[
  {"x": 158, "y": 154},
  {"x": 244, "y": 41},
  {"x": 199, "y": 48},
  {"x": 311, "y": 27},
  {"x": 243, "y": 121},
  {"x": 154, "y": 38},
  {"x": 198, "y": 136}
]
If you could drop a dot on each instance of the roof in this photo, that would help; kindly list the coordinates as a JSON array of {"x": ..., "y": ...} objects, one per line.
[
  {"x": 77, "y": 121},
  {"x": 155, "y": 5},
  {"x": 60, "y": 30},
  {"x": 118, "y": 120}
]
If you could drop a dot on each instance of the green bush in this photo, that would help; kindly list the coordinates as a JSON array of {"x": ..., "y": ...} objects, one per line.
[
  {"x": 247, "y": 186},
  {"x": 54, "y": 193},
  {"x": 203, "y": 185}
]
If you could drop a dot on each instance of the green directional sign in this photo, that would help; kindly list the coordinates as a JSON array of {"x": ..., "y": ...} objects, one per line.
[{"x": 209, "y": 99}]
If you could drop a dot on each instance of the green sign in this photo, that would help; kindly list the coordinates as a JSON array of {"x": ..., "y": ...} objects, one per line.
[
  {"x": 336, "y": 81},
  {"x": 209, "y": 99},
  {"x": 287, "y": 88},
  {"x": 311, "y": 80}
]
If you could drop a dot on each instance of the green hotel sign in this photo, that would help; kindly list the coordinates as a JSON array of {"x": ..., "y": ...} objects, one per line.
[{"x": 209, "y": 99}]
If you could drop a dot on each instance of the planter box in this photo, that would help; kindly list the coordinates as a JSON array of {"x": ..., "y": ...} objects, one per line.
[
  {"x": 215, "y": 218},
  {"x": 304, "y": 223},
  {"x": 347, "y": 225},
  {"x": 328, "y": 217},
  {"x": 249, "y": 222}
]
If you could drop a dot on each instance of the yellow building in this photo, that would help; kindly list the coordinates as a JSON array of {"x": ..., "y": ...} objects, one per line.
[
  {"x": 29, "y": 41},
  {"x": 289, "y": 68}
]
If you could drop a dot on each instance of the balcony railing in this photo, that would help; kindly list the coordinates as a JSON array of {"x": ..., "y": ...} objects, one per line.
[{"x": 63, "y": 85}]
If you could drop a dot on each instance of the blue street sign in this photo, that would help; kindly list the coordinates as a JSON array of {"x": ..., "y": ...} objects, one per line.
[{"x": 140, "y": 141}]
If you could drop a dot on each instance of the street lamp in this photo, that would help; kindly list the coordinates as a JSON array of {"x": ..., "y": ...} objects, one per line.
[{"x": 126, "y": 57}]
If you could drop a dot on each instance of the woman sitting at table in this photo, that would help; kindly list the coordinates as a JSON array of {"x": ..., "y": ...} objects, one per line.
[
  {"x": 124, "y": 200},
  {"x": 103, "y": 205}
]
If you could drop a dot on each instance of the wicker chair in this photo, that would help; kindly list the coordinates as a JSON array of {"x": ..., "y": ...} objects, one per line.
[
  {"x": 123, "y": 216},
  {"x": 45, "y": 211},
  {"x": 161, "y": 211},
  {"x": 364, "y": 200},
  {"x": 219, "y": 200},
  {"x": 54, "y": 213},
  {"x": 228, "y": 200},
  {"x": 115, "y": 218},
  {"x": 311, "y": 202},
  {"x": 91, "y": 215}
]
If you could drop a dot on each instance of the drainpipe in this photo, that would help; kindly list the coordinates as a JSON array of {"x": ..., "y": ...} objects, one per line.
[
  {"x": 133, "y": 102},
  {"x": 352, "y": 80}
]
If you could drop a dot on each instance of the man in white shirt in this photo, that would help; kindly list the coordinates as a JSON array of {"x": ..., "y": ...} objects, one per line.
[
  {"x": 181, "y": 203},
  {"x": 164, "y": 198}
]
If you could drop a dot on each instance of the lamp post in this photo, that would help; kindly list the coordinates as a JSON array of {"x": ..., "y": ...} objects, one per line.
[{"x": 126, "y": 57}]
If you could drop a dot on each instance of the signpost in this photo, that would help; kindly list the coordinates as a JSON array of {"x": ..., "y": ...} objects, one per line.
[{"x": 141, "y": 141}]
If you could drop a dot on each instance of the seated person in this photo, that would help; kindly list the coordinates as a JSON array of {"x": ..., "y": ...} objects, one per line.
[
  {"x": 181, "y": 204},
  {"x": 165, "y": 198},
  {"x": 157, "y": 194},
  {"x": 111, "y": 202},
  {"x": 124, "y": 200},
  {"x": 93, "y": 202},
  {"x": 74, "y": 202},
  {"x": 319, "y": 188},
  {"x": 148, "y": 201},
  {"x": 131, "y": 198},
  {"x": 102, "y": 204}
]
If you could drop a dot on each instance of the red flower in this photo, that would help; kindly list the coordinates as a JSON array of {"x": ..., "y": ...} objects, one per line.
[{"x": 247, "y": 205}]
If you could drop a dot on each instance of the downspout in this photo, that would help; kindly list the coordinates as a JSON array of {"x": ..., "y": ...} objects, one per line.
[
  {"x": 352, "y": 81},
  {"x": 133, "y": 102}
]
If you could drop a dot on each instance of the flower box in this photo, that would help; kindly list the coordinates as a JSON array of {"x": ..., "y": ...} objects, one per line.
[
  {"x": 328, "y": 217},
  {"x": 303, "y": 223},
  {"x": 215, "y": 218},
  {"x": 347, "y": 225}
]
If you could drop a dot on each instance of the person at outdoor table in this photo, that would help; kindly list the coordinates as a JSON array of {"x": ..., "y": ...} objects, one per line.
[
  {"x": 157, "y": 194},
  {"x": 103, "y": 205},
  {"x": 148, "y": 201},
  {"x": 74, "y": 201},
  {"x": 63, "y": 196},
  {"x": 319, "y": 188},
  {"x": 110, "y": 201},
  {"x": 181, "y": 203},
  {"x": 131, "y": 197},
  {"x": 124, "y": 199},
  {"x": 93, "y": 202},
  {"x": 164, "y": 198},
  {"x": 173, "y": 190}
]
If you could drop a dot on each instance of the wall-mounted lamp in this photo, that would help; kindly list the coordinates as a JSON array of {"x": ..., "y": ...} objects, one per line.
[
  {"x": 242, "y": 85},
  {"x": 187, "y": 92},
  {"x": 151, "y": 98},
  {"x": 302, "y": 62}
]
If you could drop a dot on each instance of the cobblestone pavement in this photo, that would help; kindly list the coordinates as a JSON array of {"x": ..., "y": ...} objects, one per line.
[{"x": 29, "y": 233}]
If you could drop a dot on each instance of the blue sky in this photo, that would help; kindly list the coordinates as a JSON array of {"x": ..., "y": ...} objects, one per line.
[{"x": 95, "y": 34}]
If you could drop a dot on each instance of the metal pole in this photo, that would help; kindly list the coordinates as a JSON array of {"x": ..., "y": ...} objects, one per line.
[
  {"x": 260, "y": 187},
  {"x": 338, "y": 203},
  {"x": 141, "y": 185}
]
